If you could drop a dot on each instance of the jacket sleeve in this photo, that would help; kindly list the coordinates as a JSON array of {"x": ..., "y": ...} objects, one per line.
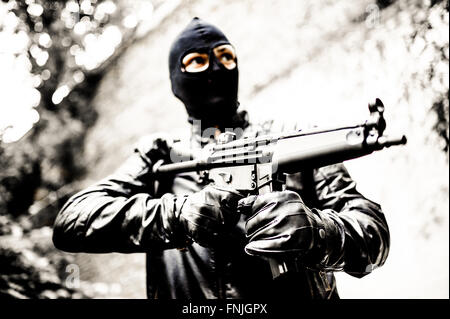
[
  {"x": 365, "y": 240},
  {"x": 120, "y": 214}
]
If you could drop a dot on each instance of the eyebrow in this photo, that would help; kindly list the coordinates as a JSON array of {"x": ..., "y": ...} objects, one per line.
[
  {"x": 192, "y": 53},
  {"x": 220, "y": 49}
]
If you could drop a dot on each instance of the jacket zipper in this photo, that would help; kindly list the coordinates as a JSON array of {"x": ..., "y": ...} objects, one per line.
[
  {"x": 219, "y": 273},
  {"x": 323, "y": 276}
]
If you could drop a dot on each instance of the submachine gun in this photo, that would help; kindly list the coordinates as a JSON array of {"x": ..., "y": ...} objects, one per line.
[{"x": 259, "y": 165}]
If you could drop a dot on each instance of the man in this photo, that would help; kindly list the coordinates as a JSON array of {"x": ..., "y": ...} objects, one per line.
[{"x": 206, "y": 242}]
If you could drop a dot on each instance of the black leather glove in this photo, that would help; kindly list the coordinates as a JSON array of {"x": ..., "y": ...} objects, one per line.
[
  {"x": 156, "y": 147},
  {"x": 207, "y": 216},
  {"x": 280, "y": 226}
]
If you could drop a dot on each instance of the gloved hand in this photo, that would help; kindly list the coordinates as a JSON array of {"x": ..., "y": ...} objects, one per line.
[
  {"x": 156, "y": 147},
  {"x": 207, "y": 216},
  {"x": 281, "y": 226}
]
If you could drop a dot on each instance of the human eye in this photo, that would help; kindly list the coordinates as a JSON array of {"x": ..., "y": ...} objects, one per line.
[
  {"x": 199, "y": 60},
  {"x": 226, "y": 55},
  {"x": 195, "y": 62}
]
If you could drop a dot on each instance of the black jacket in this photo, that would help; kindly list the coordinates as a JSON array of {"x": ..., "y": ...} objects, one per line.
[{"x": 125, "y": 213}]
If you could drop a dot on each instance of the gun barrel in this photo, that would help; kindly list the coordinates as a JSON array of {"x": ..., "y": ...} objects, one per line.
[
  {"x": 387, "y": 141},
  {"x": 180, "y": 167}
]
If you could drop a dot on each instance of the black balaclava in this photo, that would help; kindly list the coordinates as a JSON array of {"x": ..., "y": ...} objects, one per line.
[{"x": 211, "y": 95}]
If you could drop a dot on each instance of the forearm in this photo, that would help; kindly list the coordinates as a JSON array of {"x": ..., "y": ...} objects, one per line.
[
  {"x": 118, "y": 214},
  {"x": 366, "y": 238},
  {"x": 94, "y": 222}
]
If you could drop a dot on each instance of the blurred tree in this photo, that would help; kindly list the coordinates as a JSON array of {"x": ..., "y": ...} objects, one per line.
[
  {"x": 64, "y": 47},
  {"x": 68, "y": 45},
  {"x": 429, "y": 22}
]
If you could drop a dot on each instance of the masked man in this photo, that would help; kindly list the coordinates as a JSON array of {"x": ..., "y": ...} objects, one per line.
[{"x": 205, "y": 242}]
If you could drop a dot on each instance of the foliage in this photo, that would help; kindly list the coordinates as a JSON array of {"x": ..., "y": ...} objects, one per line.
[{"x": 68, "y": 46}]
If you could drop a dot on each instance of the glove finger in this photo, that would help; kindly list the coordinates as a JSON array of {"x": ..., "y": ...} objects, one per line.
[
  {"x": 263, "y": 218},
  {"x": 257, "y": 202},
  {"x": 272, "y": 248},
  {"x": 201, "y": 235},
  {"x": 292, "y": 224},
  {"x": 229, "y": 190},
  {"x": 254, "y": 205},
  {"x": 223, "y": 196},
  {"x": 205, "y": 235},
  {"x": 206, "y": 216},
  {"x": 245, "y": 205},
  {"x": 225, "y": 200},
  {"x": 214, "y": 219},
  {"x": 209, "y": 238},
  {"x": 230, "y": 217}
]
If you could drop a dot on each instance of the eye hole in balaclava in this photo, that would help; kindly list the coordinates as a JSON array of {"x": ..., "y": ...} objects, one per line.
[
  {"x": 200, "y": 61},
  {"x": 209, "y": 95}
]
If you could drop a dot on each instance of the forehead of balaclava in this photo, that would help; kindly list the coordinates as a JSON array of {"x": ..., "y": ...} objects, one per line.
[{"x": 210, "y": 95}]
